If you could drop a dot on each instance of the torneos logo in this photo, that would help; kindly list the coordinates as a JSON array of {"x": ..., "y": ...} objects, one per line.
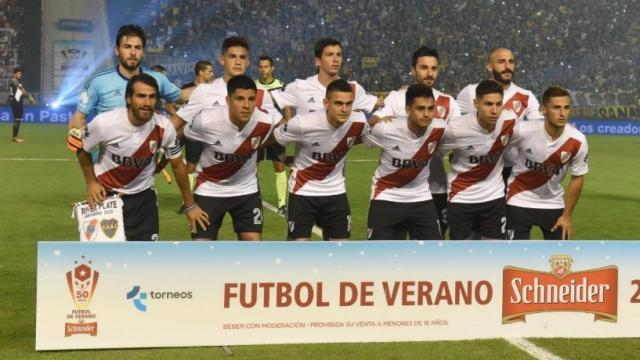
[{"x": 140, "y": 298}]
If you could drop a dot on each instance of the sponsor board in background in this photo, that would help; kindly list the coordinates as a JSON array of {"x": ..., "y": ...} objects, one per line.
[{"x": 236, "y": 293}]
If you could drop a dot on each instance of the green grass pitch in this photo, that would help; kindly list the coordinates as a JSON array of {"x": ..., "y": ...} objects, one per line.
[{"x": 35, "y": 205}]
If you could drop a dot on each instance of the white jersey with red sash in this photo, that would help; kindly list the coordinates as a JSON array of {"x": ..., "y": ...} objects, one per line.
[
  {"x": 213, "y": 95},
  {"x": 541, "y": 164},
  {"x": 127, "y": 162},
  {"x": 395, "y": 103},
  {"x": 403, "y": 170},
  {"x": 320, "y": 150},
  {"x": 522, "y": 102},
  {"x": 227, "y": 166},
  {"x": 306, "y": 96},
  {"x": 477, "y": 161}
]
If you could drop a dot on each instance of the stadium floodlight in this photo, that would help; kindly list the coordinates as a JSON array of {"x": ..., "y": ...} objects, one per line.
[{"x": 55, "y": 104}]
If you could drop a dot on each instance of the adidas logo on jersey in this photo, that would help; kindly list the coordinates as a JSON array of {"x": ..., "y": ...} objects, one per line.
[
  {"x": 216, "y": 103},
  {"x": 396, "y": 148},
  {"x": 529, "y": 151},
  {"x": 470, "y": 147},
  {"x": 311, "y": 101},
  {"x": 115, "y": 145},
  {"x": 217, "y": 143},
  {"x": 315, "y": 143}
]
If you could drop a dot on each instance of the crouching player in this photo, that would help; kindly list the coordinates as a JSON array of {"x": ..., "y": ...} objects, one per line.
[
  {"x": 226, "y": 178},
  {"x": 130, "y": 138},
  {"x": 545, "y": 152},
  {"x": 400, "y": 198}
]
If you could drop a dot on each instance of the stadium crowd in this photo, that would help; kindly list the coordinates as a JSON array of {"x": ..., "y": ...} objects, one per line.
[
  {"x": 589, "y": 49},
  {"x": 10, "y": 14}
]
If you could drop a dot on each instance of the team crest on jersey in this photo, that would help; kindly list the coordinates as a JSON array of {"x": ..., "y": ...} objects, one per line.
[
  {"x": 153, "y": 146},
  {"x": 504, "y": 139},
  {"x": 89, "y": 229},
  {"x": 84, "y": 98},
  {"x": 564, "y": 156},
  {"x": 255, "y": 142},
  {"x": 292, "y": 225},
  {"x": 441, "y": 111},
  {"x": 517, "y": 106},
  {"x": 350, "y": 141},
  {"x": 431, "y": 147},
  {"x": 109, "y": 227}
]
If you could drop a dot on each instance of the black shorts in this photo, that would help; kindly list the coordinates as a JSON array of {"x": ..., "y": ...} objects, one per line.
[
  {"x": 487, "y": 217},
  {"x": 520, "y": 220},
  {"x": 331, "y": 213},
  {"x": 192, "y": 150},
  {"x": 440, "y": 201},
  {"x": 245, "y": 210},
  {"x": 390, "y": 220},
  {"x": 17, "y": 108},
  {"x": 140, "y": 215},
  {"x": 272, "y": 152}
]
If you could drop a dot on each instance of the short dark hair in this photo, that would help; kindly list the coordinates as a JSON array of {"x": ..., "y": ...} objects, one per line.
[
  {"x": 338, "y": 85},
  {"x": 131, "y": 30},
  {"x": 234, "y": 41},
  {"x": 266, "y": 57},
  {"x": 418, "y": 90},
  {"x": 159, "y": 68},
  {"x": 143, "y": 78},
  {"x": 424, "y": 51},
  {"x": 323, "y": 43},
  {"x": 240, "y": 82},
  {"x": 17, "y": 70},
  {"x": 201, "y": 66},
  {"x": 554, "y": 91},
  {"x": 488, "y": 87}
]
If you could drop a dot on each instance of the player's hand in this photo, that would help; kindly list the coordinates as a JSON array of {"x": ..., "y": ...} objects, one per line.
[
  {"x": 96, "y": 193},
  {"x": 32, "y": 100},
  {"x": 196, "y": 217},
  {"x": 564, "y": 222},
  {"x": 74, "y": 140}
]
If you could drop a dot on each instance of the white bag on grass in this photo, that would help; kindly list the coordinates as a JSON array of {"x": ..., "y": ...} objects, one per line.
[{"x": 104, "y": 223}]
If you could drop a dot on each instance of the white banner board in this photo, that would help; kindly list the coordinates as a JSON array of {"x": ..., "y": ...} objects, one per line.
[{"x": 118, "y": 295}]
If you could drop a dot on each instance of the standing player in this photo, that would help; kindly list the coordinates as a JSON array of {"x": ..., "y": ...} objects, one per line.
[
  {"x": 476, "y": 189},
  {"x": 317, "y": 193},
  {"x": 204, "y": 74},
  {"x": 104, "y": 90},
  {"x": 545, "y": 151},
  {"x": 274, "y": 152},
  {"x": 226, "y": 180},
  {"x": 425, "y": 70},
  {"x": 308, "y": 95},
  {"x": 400, "y": 198},
  {"x": 16, "y": 94},
  {"x": 130, "y": 137},
  {"x": 501, "y": 65}
]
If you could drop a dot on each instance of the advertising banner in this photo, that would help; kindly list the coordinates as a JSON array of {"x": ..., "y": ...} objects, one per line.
[
  {"x": 155, "y": 294},
  {"x": 40, "y": 114}
]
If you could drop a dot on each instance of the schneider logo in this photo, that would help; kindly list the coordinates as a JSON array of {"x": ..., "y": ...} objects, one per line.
[
  {"x": 140, "y": 298},
  {"x": 528, "y": 291}
]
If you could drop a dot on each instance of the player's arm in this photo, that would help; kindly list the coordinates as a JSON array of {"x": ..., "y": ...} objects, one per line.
[
  {"x": 194, "y": 214},
  {"x": 27, "y": 94},
  {"x": 185, "y": 94},
  {"x": 74, "y": 136},
  {"x": 96, "y": 193},
  {"x": 573, "y": 194}
]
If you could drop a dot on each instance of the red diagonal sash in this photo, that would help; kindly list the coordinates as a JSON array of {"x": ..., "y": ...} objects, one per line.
[
  {"x": 402, "y": 177},
  {"x": 321, "y": 170},
  {"x": 121, "y": 175},
  {"x": 518, "y": 103},
  {"x": 481, "y": 171},
  {"x": 225, "y": 170},
  {"x": 533, "y": 179}
]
